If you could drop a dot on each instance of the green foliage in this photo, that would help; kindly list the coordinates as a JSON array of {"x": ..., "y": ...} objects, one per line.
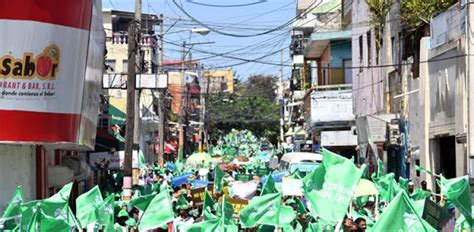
[
  {"x": 252, "y": 107},
  {"x": 379, "y": 11},
  {"x": 414, "y": 13}
]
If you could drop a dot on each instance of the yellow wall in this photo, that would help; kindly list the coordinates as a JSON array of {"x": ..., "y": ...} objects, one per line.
[{"x": 228, "y": 74}]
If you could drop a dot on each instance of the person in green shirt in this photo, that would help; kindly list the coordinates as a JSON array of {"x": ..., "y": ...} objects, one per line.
[{"x": 120, "y": 225}]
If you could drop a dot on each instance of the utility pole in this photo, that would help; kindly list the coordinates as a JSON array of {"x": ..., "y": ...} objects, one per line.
[
  {"x": 202, "y": 118},
  {"x": 470, "y": 89},
  {"x": 161, "y": 97},
  {"x": 282, "y": 102},
  {"x": 133, "y": 38},
  {"x": 181, "y": 110}
]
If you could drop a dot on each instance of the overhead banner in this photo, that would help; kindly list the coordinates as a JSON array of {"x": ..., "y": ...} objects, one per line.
[{"x": 51, "y": 59}]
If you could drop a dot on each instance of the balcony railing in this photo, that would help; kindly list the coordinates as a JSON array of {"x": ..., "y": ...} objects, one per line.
[{"x": 122, "y": 38}]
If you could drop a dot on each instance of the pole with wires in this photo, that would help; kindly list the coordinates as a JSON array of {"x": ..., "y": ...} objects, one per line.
[
  {"x": 133, "y": 35},
  {"x": 181, "y": 107},
  {"x": 161, "y": 99},
  {"x": 281, "y": 102}
]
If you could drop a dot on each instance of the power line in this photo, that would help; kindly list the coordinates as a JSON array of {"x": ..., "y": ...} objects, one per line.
[
  {"x": 226, "y": 6},
  {"x": 180, "y": 7}
]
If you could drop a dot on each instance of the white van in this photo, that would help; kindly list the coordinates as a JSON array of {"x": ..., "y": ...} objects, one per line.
[{"x": 304, "y": 161}]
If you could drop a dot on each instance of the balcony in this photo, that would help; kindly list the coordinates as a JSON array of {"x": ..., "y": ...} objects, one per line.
[
  {"x": 321, "y": 40},
  {"x": 122, "y": 38}
]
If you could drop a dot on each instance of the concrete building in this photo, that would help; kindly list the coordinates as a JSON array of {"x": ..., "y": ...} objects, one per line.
[
  {"x": 218, "y": 81},
  {"x": 43, "y": 154},
  {"x": 442, "y": 87},
  {"x": 322, "y": 77},
  {"x": 411, "y": 93},
  {"x": 116, "y": 26}
]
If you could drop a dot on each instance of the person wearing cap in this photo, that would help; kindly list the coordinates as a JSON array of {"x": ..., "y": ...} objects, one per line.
[
  {"x": 183, "y": 220},
  {"x": 132, "y": 224},
  {"x": 120, "y": 225}
]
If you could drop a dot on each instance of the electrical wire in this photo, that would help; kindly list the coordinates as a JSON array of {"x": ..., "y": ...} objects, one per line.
[
  {"x": 180, "y": 7},
  {"x": 226, "y": 6}
]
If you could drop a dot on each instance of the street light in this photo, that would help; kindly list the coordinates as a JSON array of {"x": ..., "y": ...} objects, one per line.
[{"x": 202, "y": 31}]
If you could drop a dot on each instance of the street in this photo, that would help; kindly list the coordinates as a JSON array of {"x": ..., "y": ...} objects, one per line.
[{"x": 244, "y": 115}]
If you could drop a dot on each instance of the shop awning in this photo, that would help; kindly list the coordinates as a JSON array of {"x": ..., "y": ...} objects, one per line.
[
  {"x": 118, "y": 116},
  {"x": 105, "y": 141}
]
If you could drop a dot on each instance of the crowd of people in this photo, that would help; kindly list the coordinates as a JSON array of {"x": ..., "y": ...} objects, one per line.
[{"x": 206, "y": 189}]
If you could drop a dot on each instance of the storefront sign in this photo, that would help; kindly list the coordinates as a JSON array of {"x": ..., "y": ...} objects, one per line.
[
  {"x": 331, "y": 106},
  {"x": 50, "y": 71}
]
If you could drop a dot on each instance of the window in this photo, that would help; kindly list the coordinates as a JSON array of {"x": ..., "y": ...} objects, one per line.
[
  {"x": 361, "y": 53},
  {"x": 110, "y": 65},
  {"x": 124, "y": 66},
  {"x": 369, "y": 47}
]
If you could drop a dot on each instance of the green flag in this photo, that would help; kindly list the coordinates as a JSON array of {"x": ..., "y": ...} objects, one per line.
[
  {"x": 458, "y": 191},
  {"x": 403, "y": 183},
  {"x": 266, "y": 210},
  {"x": 208, "y": 206},
  {"x": 63, "y": 194},
  {"x": 225, "y": 223},
  {"x": 286, "y": 215},
  {"x": 297, "y": 174},
  {"x": 39, "y": 221},
  {"x": 400, "y": 215},
  {"x": 420, "y": 194},
  {"x": 47, "y": 223},
  {"x": 106, "y": 213},
  {"x": 86, "y": 206},
  {"x": 56, "y": 207},
  {"x": 386, "y": 185},
  {"x": 141, "y": 160},
  {"x": 422, "y": 169},
  {"x": 269, "y": 186},
  {"x": 300, "y": 208},
  {"x": 261, "y": 210},
  {"x": 182, "y": 202},
  {"x": 28, "y": 216},
  {"x": 158, "y": 213},
  {"x": 330, "y": 187},
  {"x": 142, "y": 202},
  {"x": 380, "y": 167},
  {"x": 227, "y": 212},
  {"x": 205, "y": 226},
  {"x": 218, "y": 177},
  {"x": 14, "y": 205},
  {"x": 211, "y": 226}
]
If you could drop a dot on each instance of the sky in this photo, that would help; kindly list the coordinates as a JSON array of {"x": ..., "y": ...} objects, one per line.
[{"x": 229, "y": 21}]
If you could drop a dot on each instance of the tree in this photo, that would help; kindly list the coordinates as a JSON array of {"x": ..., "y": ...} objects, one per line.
[
  {"x": 379, "y": 10},
  {"x": 259, "y": 85},
  {"x": 416, "y": 13},
  {"x": 252, "y": 106}
]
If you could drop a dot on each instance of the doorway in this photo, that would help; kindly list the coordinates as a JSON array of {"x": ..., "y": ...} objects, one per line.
[{"x": 447, "y": 156}]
